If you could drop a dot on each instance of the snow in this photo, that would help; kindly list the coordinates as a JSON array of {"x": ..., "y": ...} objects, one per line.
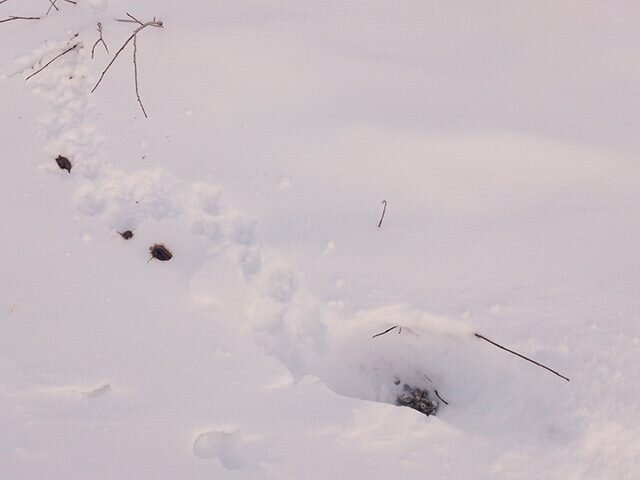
[{"x": 503, "y": 138}]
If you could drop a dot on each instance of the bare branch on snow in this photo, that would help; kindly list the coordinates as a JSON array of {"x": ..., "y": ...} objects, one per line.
[{"x": 133, "y": 36}]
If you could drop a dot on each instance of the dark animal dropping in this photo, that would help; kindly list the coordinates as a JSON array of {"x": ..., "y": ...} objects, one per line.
[
  {"x": 126, "y": 234},
  {"x": 64, "y": 163},
  {"x": 160, "y": 252}
]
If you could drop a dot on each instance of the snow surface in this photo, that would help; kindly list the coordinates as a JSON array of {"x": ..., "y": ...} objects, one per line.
[{"x": 503, "y": 136}]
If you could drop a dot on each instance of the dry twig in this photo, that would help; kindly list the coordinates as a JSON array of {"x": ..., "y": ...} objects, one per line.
[
  {"x": 53, "y": 5},
  {"x": 388, "y": 330},
  {"x": 135, "y": 74},
  {"x": 54, "y": 2},
  {"x": 11, "y": 18},
  {"x": 521, "y": 356},
  {"x": 438, "y": 395},
  {"x": 482, "y": 337},
  {"x": 133, "y": 36},
  {"x": 100, "y": 40},
  {"x": 384, "y": 202},
  {"x": 52, "y": 60}
]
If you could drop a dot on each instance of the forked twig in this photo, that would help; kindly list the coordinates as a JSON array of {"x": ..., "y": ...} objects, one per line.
[
  {"x": 131, "y": 19},
  {"x": 54, "y": 2},
  {"x": 100, "y": 40},
  {"x": 53, "y": 5},
  {"x": 133, "y": 36},
  {"x": 134, "y": 19},
  {"x": 521, "y": 356},
  {"x": 52, "y": 60}
]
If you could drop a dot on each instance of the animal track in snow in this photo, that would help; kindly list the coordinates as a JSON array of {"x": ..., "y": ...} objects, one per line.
[
  {"x": 281, "y": 283},
  {"x": 287, "y": 321},
  {"x": 233, "y": 450}
]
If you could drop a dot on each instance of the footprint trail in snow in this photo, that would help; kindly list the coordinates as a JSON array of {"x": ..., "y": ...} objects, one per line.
[{"x": 260, "y": 292}]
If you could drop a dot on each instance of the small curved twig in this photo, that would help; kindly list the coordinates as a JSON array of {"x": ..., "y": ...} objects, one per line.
[
  {"x": 384, "y": 202},
  {"x": 438, "y": 395}
]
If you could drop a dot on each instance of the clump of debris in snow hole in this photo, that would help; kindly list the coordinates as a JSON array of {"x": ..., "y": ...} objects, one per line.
[{"x": 418, "y": 399}]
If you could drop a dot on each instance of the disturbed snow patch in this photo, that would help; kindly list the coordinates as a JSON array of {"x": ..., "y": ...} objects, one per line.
[
  {"x": 233, "y": 450},
  {"x": 432, "y": 364}
]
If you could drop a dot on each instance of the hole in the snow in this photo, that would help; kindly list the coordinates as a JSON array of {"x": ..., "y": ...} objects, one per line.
[
  {"x": 127, "y": 234},
  {"x": 420, "y": 399}
]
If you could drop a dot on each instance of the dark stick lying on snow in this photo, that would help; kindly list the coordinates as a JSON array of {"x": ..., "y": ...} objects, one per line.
[
  {"x": 482, "y": 337},
  {"x": 12, "y": 18},
  {"x": 438, "y": 395},
  {"x": 388, "y": 330},
  {"x": 51, "y": 61},
  {"x": 384, "y": 209},
  {"x": 521, "y": 356}
]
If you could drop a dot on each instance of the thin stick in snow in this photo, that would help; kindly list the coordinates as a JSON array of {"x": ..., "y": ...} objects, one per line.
[
  {"x": 52, "y": 60},
  {"x": 384, "y": 209},
  {"x": 12, "y": 18},
  {"x": 521, "y": 356},
  {"x": 388, "y": 330},
  {"x": 135, "y": 75}
]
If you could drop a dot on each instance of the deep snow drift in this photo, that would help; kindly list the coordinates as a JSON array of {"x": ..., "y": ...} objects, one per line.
[{"x": 504, "y": 139}]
